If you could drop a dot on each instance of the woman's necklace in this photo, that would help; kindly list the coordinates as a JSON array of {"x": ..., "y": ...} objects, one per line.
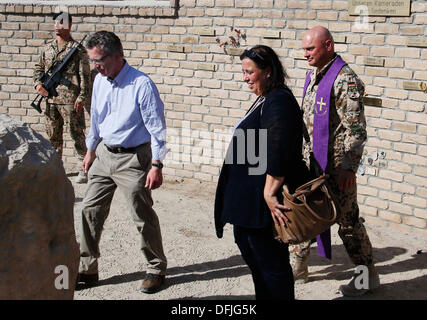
[{"x": 256, "y": 104}]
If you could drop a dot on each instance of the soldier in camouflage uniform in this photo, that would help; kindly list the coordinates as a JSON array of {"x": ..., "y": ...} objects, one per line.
[
  {"x": 347, "y": 135},
  {"x": 68, "y": 106}
]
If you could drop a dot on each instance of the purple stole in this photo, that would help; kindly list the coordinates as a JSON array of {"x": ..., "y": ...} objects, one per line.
[{"x": 321, "y": 135}]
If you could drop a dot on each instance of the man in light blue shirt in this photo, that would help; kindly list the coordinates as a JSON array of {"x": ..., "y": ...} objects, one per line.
[{"x": 125, "y": 147}]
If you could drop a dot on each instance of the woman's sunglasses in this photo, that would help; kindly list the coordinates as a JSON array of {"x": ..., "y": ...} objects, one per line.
[{"x": 252, "y": 54}]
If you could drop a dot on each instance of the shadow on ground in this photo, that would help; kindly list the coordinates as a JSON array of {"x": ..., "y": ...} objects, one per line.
[{"x": 341, "y": 268}]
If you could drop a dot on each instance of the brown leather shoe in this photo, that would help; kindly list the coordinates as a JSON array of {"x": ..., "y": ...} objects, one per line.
[
  {"x": 86, "y": 280},
  {"x": 152, "y": 283}
]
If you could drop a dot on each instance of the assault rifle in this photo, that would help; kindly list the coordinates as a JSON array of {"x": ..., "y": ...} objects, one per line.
[{"x": 51, "y": 80}]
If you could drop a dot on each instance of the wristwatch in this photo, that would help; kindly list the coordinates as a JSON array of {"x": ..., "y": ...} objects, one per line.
[{"x": 158, "y": 165}]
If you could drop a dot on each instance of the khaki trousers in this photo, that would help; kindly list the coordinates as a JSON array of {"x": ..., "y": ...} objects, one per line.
[{"x": 128, "y": 171}]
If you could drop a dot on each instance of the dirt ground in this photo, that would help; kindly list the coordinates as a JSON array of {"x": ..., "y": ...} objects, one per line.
[{"x": 200, "y": 266}]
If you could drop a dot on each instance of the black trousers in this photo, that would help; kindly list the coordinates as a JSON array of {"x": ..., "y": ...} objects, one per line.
[{"x": 268, "y": 259}]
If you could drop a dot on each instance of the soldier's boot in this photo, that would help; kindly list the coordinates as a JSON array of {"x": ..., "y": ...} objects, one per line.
[
  {"x": 353, "y": 289},
  {"x": 300, "y": 269},
  {"x": 82, "y": 177}
]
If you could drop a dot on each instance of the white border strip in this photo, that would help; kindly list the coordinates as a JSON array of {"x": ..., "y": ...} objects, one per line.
[{"x": 85, "y": 3}]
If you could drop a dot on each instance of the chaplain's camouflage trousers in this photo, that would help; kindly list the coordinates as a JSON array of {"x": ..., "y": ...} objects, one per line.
[
  {"x": 55, "y": 116},
  {"x": 351, "y": 229}
]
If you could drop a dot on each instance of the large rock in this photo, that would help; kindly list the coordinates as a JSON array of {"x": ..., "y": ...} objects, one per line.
[{"x": 39, "y": 254}]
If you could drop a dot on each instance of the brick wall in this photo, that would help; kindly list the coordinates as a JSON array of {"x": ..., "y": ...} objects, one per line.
[{"x": 201, "y": 83}]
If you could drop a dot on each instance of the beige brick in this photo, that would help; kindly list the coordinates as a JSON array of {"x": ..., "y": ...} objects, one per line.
[
  {"x": 416, "y": 222},
  {"x": 380, "y": 123},
  {"x": 422, "y": 151},
  {"x": 418, "y": 96},
  {"x": 263, "y": 3},
  {"x": 415, "y": 201},
  {"x": 373, "y": 112},
  {"x": 328, "y": 15},
  {"x": 372, "y": 71},
  {"x": 404, "y": 188},
  {"x": 396, "y": 93},
  {"x": 359, "y": 50},
  {"x": 421, "y": 19},
  {"x": 405, "y": 147},
  {"x": 377, "y": 40},
  {"x": 414, "y": 138},
  {"x": 401, "y": 74},
  {"x": 385, "y": 82},
  {"x": 315, "y": 4},
  {"x": 421, "y": 171},
  {"x": 389, "y": 135},
  {"x": 195, "y": 12},
  {"x": 371, "y": 211},
  {"x": 390, "y": 216},
  {"x": 393, "y": 114},
  {"x": 365, "y": 190},
  {"x": 417, "y": 117},
  {"x": 393, "y": 62},
  {"x": 408, "y": 52},
  {"x": 411, "y": 106},
  {"x": 419, "y": 181},
  {"x": 393, "y": 196},
  {"x": 412, "y": 30},
  {"x": 383, "y": 52},
  {"x": 380, "y": 183},
  {"x": 420, "y": 75},
  {"x": 400, "y": 208},
  {"x": 420, "y": 213},
  {"x": 415, "y": 159}
]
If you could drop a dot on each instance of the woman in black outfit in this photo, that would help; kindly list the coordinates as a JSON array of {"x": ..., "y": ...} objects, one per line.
[{"x": 248, "y": 193}]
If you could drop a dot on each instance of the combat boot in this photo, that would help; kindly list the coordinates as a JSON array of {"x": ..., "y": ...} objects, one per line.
[
  {"x": 354, "y": 290},
  {"x": 300, "y": 269}
]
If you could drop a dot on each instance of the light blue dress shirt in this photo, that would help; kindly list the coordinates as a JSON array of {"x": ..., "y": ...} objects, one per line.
[{"x": 127, "y": 111}]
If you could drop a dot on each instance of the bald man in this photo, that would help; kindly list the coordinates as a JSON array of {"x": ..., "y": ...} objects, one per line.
[{"x": 332, "y": 100}]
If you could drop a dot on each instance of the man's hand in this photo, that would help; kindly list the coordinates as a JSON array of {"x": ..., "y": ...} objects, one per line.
[
  {"x": 88, "y": 160},
  {"x": 154, "y": 178},
  {"x": 346, "y": 179},
  {"x": 41, "y": 91},
  {"x": 78, "y": 106}
]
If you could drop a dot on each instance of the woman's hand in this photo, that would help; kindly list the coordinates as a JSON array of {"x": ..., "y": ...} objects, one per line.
[
  {"x": 272, "y": 186},
  {"x": 276, "y": 209}
]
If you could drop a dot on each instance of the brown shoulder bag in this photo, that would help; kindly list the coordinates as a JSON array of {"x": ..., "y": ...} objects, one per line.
[{"x": 312, "y": 212}]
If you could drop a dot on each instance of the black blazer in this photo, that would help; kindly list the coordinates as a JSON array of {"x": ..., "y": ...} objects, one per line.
[{"x": 239, "y": 196}]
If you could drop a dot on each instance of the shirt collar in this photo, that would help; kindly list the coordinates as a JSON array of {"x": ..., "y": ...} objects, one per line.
[
  {"x": 326, "y": 67},
  {"x": 120, "y": 78}
]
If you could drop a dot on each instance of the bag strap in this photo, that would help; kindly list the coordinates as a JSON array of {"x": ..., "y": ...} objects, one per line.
[{"x": 291, "y": 198}]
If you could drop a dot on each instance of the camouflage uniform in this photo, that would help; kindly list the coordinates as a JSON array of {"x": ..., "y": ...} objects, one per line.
[
  {"x": 347, "y": 127},
  {"x": 61, "y": 108}
]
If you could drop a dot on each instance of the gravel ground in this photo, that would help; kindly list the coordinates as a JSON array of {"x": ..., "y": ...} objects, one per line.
[{"x": 200, "y": 266}]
